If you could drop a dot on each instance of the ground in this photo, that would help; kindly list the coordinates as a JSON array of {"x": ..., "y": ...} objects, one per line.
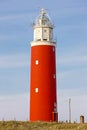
[{"x": 19, "y": 125}]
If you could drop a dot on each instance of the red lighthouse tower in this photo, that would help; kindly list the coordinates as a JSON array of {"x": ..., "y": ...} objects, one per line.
[{"x": 43, "y": 98}]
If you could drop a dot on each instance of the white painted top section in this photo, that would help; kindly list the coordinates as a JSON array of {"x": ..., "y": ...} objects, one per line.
[
  {"x": 43, "y": 34},
  {"x": 37, "y": 43},
  {"x": 43, "y": 29}
]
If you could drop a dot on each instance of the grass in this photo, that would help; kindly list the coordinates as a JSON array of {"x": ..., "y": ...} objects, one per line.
[{"x": 20, "y": 125}]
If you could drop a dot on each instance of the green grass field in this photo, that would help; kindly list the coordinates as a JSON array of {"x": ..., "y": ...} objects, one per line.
[{"x": 19, "y": 125}]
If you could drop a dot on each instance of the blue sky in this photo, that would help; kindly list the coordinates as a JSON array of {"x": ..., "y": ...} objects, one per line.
[{"x": 16, "y": 33}]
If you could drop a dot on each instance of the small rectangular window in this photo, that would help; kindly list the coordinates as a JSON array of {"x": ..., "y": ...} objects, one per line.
[
  {"x": 38, "y": 39},
  {"x": 36, "y": 90},
  {"x": 45, "y": 39},
  {"x": 54, "y": 76},
  {"x": 36, "y": 62},
  {"x": 45, "y": 30}
]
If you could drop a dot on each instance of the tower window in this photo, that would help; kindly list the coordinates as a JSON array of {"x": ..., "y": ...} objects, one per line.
[
  {"x": 45, "y": 30},
  {"x": 55, "y": 104},
  {"x": 38, "y": 39},
  {"x": 36, "y": 62},
  {"x": 36, "y": 90},
  {"x": 54, "y": 76},
  {"x": 45, "y": 39}
]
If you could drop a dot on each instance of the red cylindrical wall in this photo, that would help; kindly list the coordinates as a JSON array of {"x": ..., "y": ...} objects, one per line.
[{"x": 42, "y": 83}]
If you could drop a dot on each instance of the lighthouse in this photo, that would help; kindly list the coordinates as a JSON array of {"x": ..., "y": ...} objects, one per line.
[{"x": 43, "y": 93}]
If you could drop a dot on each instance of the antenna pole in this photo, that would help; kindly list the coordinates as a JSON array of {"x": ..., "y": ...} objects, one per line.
[{"x": 69, "y": 110}]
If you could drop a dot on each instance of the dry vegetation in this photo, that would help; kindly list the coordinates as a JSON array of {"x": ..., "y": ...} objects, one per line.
[{"x": 19, "y": 125}]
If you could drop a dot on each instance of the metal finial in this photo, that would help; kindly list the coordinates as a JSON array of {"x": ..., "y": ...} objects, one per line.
[{"x": 43, "y": 11}]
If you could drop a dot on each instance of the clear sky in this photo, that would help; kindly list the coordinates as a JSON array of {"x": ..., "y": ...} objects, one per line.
[{"x": 16, "y": 33}]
